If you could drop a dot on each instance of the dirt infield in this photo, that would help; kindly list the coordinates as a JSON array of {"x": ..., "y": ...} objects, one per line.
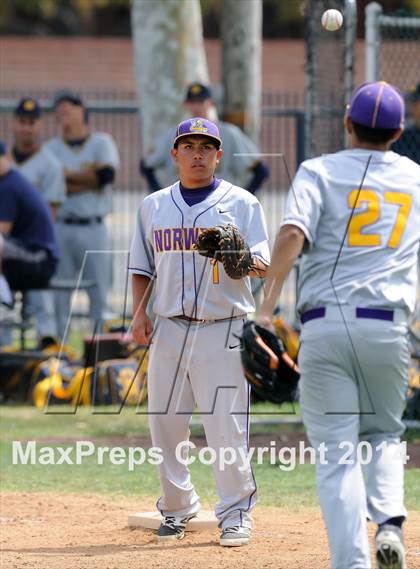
[{"x": 47, "y": 531}]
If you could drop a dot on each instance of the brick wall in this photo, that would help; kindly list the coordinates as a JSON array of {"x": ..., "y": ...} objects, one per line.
[{"x": 98, "y": 64}]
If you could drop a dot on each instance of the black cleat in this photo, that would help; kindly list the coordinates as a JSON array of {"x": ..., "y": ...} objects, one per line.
[{"x": 172, "y": 528}]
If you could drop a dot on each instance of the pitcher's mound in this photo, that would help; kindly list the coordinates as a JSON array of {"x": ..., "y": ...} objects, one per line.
[{"x": 204, "y": 520}]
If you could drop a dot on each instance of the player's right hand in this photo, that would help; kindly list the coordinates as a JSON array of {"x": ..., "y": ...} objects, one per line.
[
  {"x": 265, "y": 321},
  {"x": 142, "y": 328}
]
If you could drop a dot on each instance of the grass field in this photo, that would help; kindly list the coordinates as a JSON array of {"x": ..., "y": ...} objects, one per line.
[{"x": 21, "y": 423}]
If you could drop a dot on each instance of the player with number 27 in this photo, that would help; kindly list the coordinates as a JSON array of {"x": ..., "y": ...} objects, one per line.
[{"x": 354, "y": 216}]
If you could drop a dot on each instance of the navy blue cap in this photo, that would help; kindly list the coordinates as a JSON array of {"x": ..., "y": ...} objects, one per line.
[
  {"x": 198, "y": 92},
  {"x": 68, "y": 96},
  {"x": 3, "y": 148},
  {"x": 28, "y": 107}
]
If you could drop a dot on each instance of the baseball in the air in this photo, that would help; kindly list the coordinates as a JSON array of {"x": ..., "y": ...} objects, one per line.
[{"x": 332, "y": 20}]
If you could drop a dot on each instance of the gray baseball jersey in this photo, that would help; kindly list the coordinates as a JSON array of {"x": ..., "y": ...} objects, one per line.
[
  {"x": 231, "y": 167},
  {"x": 382, "y": 238},
  {"x": 99, "y": 149},
  {"x": 357, "y": 287},
  {"x": 45, "y": 172},
  {"x": 162, "y": 246},
  {"x": 198, "y": 365}
]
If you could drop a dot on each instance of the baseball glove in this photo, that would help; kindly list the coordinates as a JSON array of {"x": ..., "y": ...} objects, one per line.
[
  {"x": 224, "y": 243},
  {"x": 273, "y": 375}
]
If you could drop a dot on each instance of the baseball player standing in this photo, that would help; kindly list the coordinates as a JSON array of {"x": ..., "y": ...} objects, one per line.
[
  {"x": 42, "y": 169},
  {"x": 240, "y": 155},
  {"x": 194, "y": 355},
  {"x": 90, "y": 161},
  {"x": 355, "y": 216}
]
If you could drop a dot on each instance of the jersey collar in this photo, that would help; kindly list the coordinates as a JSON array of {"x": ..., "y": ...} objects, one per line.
[
  {"x": 377, "y": 155},
  {"x": 223, "y": 189}
]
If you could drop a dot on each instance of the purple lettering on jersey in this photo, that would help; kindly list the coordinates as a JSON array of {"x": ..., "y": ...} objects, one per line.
[
  {"x": 190, "y": 236},
  {"x": 167, "y": 240},
  {"x": 158, "y": 240},
  {"x": 177, "y": 239}
]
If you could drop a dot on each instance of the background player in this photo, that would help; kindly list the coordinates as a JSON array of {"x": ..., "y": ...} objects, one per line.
[
  {"x": 245, "y": 171},
  {"x": 199, "y": 311},
  {"x": 90, "y": 161},
  {"x": 354, "y": 214},
  {"x": 28, "y": 248},
  {"x": 40, "y": 167},
  {"x": 409, "y": 142}
]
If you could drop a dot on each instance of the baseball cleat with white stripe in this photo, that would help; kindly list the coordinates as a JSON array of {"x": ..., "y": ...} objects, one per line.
[
  {"x": 390, "y": 551},
  {"x": 235, "y": 536},
  {"x": 172, "y": 528}
]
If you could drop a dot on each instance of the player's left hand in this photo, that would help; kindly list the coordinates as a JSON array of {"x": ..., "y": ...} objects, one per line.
[{"x": 225, "y": 244}]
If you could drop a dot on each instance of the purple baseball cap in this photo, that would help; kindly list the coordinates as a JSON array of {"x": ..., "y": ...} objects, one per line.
[
  {"x": 198, "y": 126},
  {"x": 377, "y": 105}
]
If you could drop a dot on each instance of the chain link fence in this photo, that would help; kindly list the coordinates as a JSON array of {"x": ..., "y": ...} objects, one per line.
[
  {"x": 392, "y": 47},
  {"x": 329, "y": 75},
  {"x": 282, "y": 142}
]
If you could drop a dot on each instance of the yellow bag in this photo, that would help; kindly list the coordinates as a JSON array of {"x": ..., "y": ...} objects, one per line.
[
  {"x": 15, "y": 377},
  {"x": 57, "y": 381},
  {"x": 120, "y": 381}
]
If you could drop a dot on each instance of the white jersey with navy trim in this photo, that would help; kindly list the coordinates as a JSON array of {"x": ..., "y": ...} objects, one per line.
[
  {"x": 186, "y": 282},
  {"x": 377, "y": 265},
  {"x": 44, "y": 172},
  {"x": 98, "y": 150}
]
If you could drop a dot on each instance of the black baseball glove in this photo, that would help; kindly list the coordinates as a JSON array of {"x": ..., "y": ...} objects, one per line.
[
  {"x": 271, "y": 372},
  {"x": 224, "y": 243}
]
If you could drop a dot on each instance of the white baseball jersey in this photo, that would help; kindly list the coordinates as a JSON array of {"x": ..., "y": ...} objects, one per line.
[
  {"x": 186, "y": 282},
  {"x": 376, "y": 265},
  {"x": 98, "y": 150},
  {"x": 231, "y": 167},
  {"x": 44, "y": 172}
]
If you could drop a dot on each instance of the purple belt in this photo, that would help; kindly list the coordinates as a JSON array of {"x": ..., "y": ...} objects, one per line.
[{"x": 373, "y": 313}]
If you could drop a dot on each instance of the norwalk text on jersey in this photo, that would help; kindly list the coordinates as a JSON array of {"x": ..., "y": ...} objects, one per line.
[{"x": 187, "y": 453}]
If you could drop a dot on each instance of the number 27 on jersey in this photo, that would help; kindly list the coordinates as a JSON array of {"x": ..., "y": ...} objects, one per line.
[{"x": 366, "y": 211}]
